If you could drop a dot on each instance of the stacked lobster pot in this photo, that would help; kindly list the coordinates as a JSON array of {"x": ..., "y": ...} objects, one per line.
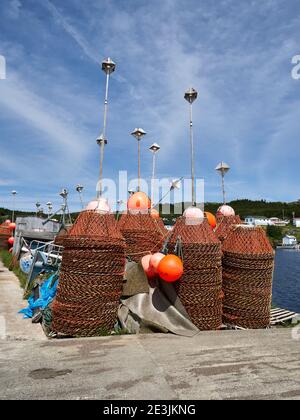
[
  {"x": 143, "y": 234},
  {"x": 4, "y": 235},
  {"x": 225, "y": 225},
  {"x": 91, "y": 277},
  {"x": 248, "y": 263},
  {"x": 200, "y": 288},
  {"x": 62, "y": 234}
]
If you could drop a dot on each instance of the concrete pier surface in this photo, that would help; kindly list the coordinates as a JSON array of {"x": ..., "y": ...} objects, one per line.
[
  {"x": 211, "y": 365},
  {"x": 12, "y": 324}
]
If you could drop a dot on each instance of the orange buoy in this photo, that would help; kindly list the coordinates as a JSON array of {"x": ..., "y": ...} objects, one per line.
[
  {"x": 211, "y": 219},
  {"x": 170, "y": 268},
  {"x": 139, "y": 202},
  {"x": 12, "y": 226},
  {"x": 155, "y": 260},
  {"x": 11, "y": 240}
]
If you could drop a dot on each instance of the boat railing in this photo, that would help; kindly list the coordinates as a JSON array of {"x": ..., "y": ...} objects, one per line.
[{"x": 47, "y": 256}]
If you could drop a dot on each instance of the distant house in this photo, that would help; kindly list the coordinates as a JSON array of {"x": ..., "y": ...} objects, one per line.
[
  {"x": 278, "y": 222},
  {"x": 296, "y": 221},
  {"x": 265, "y": 221},
  {"x": 257, "y": 221},
  {"x": 289, "y": 240}
]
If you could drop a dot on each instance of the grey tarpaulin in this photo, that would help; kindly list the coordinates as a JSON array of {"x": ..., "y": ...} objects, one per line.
[
  {"x": 156, "y": 310},
  {"x": 135, "y": 280}
]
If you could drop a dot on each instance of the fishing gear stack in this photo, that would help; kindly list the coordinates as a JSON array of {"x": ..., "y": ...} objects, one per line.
[
  {"x": 143, "y": 234},
  {"x": 248, "y": 264},
  {"x": 91, "y": 277},
  {"x": 62, "y": 234},
  {"x": 200, "y": 288},
  {"x": 4, "y": 235},
  {"x": 225, "y": 225}
]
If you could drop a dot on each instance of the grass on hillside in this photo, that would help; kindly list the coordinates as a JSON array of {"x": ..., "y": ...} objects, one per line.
[{"x": 6, "y": 258}]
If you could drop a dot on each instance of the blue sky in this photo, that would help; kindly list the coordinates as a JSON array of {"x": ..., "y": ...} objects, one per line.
[{"x": 237, "y": 54}]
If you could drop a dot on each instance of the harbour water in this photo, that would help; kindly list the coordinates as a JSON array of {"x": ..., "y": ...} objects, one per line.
[{"x": 286, "y": 285}]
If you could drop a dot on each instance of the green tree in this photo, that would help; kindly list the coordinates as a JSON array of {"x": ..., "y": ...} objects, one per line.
[{"x": 274, "y": 232}]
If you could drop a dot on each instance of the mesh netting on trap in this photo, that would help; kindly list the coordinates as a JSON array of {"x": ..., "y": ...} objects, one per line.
[
  {"x": 142, "y": 233},
  {"x": 5, "y": 233},
  {"x": 200, "y": 287},
  {"x": 248, "y": 262},
  {"x": 91, "y": 277},
  {"x": 225, "y": 225},
  {"x": 60, "y": 237}
]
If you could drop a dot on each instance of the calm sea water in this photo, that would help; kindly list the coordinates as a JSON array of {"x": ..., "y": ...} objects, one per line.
[{"x": 286, "y": 285}]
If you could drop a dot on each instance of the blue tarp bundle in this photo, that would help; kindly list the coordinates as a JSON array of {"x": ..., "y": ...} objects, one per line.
[{"x": 47, "y": 295}]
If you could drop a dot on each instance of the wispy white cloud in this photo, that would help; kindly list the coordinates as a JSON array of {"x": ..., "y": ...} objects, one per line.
[
  {"x": 60, "y": 19},
  {"x": 42, "y": 115},
  {"x": 12, "y": 9},
  {"x": 6, "y": 182}
]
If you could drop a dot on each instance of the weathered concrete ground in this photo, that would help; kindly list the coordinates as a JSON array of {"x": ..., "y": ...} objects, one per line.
[
  {"x": 212, "y": 365},
  {"x": 11, "y": 301}
]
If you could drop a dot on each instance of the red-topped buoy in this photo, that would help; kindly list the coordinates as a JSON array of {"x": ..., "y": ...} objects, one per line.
[{"x": 139, "y": 202}]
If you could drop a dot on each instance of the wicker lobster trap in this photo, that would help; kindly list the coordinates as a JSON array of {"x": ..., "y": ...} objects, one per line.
[
  {"x": 142, "y": 233},
  {"x": 62, "y": 234},
  {"x": 5, "y": 233},
  {"x": 200, "y": 288},
  {"x": 248, "y": 262},
  {"x": 91, "y": 277},
  {"x": 225, "y": 225}
]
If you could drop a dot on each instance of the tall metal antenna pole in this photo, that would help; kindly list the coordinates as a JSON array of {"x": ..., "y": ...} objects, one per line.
[
  {"x": 79, "y": 189},
  {"x": 191, "y": 96},
  {"x": 119, "y": 204},
  {"x": 138, "y": 133},
  {"x": 38, "y": 206},
  {"x": 14, "y": 193},
  {"x": 139, "y": 166},
  {"x": 50, "y": 207},
  {"x": 223, "y": 188},
  {"x": 64, "y": 194},
  {"x": 223, "y": 168},
  {"x": 154, "y": 149},
  {"x": 108, "y": 66}
]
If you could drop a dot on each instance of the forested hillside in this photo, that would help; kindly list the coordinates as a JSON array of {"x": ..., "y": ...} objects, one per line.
[{"x": 242, "y": 207}]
